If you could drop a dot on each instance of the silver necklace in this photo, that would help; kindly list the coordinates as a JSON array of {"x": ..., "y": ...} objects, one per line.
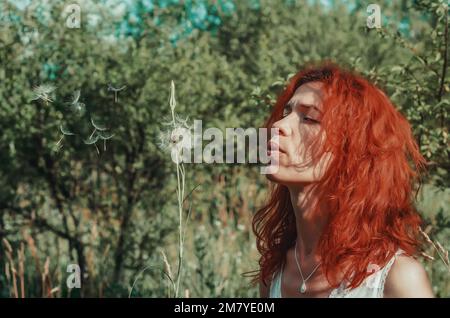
[{"x": 302, "y": 288}]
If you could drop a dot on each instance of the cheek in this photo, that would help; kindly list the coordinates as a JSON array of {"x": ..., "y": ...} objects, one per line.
[
  {"x": 322, "y": 166},
  {"x": 297, "y": 168},
  {"x": 292, "y": 173},
  {"x": 302, "y": 150}
]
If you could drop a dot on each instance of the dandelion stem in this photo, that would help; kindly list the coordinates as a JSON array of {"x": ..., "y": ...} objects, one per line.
[
  {"x": 180, "y": 225},
  {"x": 59, "y": 141},
  {"x": 90, "y": 137}
]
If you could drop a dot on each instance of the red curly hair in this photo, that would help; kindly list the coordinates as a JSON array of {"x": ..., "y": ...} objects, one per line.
[{"x": 369, "y": 183}]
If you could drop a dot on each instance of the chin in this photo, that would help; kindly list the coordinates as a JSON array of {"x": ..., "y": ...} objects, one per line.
[
  {"x": 272, "y": 177},
  {"x": 285, "y": 178}
]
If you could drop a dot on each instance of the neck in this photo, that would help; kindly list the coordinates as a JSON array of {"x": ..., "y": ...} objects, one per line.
[{"x": 309, "y": 223}]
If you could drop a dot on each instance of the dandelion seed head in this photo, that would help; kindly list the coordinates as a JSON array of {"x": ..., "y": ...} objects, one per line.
[
  {"x": 43, "y": 92},
  {"x": 177, "y": 137}
]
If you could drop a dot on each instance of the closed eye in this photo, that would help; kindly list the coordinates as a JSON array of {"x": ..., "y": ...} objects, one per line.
[
  {"x": 287, "y": 109},
  {"x": 308, "y": 119}
]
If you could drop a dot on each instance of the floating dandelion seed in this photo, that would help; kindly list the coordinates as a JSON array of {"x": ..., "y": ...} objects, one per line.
[
  {"x": 64, "y": 133},
  {"x": 104, "y": 137},
  {"x": 91, "y": 140},
  {"x": 76, "y": 97},
  {"x": 115, "y": 90},
  {"x": 43, "y": 92},
  {"x": 97, "y": 127},
  {"x": 75, "y": 105},
  {"x": 58, "y": 144},
  {"x": 101, "y": 136},
  {"x": 98, "y": 133}
]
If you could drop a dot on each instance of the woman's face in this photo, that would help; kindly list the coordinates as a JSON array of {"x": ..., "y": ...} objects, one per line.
[{"x": 299, "y": 126}]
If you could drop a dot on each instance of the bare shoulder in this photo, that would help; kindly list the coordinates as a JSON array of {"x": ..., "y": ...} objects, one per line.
[{"x": 407, "y": 278}]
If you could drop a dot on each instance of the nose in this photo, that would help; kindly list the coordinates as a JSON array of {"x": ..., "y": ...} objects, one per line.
[{"x": 283, "y": 126}]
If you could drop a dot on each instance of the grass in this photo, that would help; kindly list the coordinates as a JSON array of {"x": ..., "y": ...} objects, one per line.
[{"x": 218, "y": 247}]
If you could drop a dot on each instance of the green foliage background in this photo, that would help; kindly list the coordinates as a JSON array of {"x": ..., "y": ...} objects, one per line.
[{"x": 114, "y": 211}]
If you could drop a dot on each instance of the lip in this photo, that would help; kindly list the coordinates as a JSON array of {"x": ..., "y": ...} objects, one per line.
[{"x": 273, "y": 146}]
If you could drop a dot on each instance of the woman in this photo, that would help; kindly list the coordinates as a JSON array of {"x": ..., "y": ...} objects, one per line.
[{"x": 340, "y": 221}]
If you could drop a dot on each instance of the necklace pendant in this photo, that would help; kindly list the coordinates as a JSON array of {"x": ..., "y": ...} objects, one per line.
[{"x": 303, "y": 288}]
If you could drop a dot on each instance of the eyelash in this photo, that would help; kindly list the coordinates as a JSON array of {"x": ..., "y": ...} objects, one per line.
[
  {"x": 289, "y": 109},
  {"x": 285, "y": 109}
]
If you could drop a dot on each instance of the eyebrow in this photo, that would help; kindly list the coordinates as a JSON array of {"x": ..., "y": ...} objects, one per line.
[{"x": 295, "y": 103}]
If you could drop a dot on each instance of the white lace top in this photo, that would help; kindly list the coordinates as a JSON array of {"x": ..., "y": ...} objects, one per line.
[{"x": 371, "y": 287}]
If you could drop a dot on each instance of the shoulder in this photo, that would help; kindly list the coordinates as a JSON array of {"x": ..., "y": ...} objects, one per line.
[{"x": 407, "y": 278}]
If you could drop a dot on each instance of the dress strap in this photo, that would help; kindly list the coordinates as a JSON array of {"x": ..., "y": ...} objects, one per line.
[
  {"x": 275, "y": 284},
  {"x": 385, "y": 272}
]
